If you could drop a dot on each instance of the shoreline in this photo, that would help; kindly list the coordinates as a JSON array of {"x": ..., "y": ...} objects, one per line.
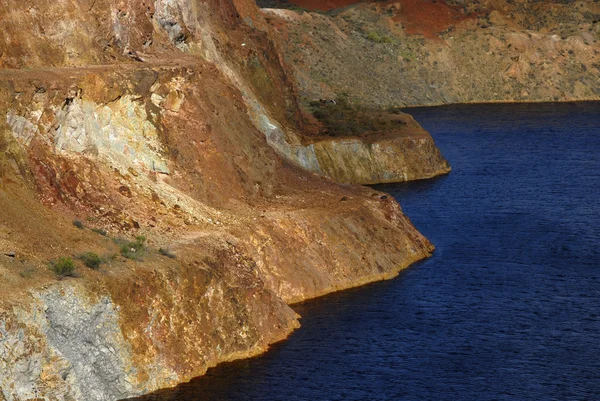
[
  {"x": 295, "y": 325},
  {"x": 499, "y": 102}
]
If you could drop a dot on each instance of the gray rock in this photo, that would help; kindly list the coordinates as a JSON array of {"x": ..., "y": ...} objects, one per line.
[{"x": 87, "y": 337}]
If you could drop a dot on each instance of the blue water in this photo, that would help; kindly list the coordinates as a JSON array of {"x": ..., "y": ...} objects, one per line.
[{"x": 508, "y": 308}]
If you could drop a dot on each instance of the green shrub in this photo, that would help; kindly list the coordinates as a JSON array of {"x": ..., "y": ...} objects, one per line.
[
  {"x": 91, "y": 260},
  {"x": 377, "y": 38},
  {"x": 63, "y": 266},
  {"x": 407, "y": 55},
  {"x": 373, "y": 36},
  {"x": 134, "y": 250},
  {"x": 78, "y": 224}
]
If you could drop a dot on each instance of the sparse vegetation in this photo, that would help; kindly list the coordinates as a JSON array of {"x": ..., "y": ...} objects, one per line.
[
  {"x": 376, "y": 37},
  {"x": 133, "y": 250},
  {"x": 167, "y": 252},
  {"x": 407, "y": 55},
  {"x": 341, "y": 118},
  {"x": 27, "y": 272},
  {"x": 100, "y": 231},
  {"x": 298, "y": 9},
  {"x": 63, "y": 266},
  {"x": 91, "y": 260},
  {"x": 78, "y": 224}
]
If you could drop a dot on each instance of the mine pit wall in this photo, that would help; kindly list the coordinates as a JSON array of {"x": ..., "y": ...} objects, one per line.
[
  {"x": 168, "y": 147},
  {"x": 247, "y": 54},
  {"x": 136, "y": 327},
  {"x": 141, "y": 328},
  {"x": 144, "y": 326},
  {"x": 136, "y": 331},
  {"x": 232, "y": 35},
  {"x": 496, "y": 51}
]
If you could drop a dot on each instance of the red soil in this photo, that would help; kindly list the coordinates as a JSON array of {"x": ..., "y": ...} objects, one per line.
[
  {"x": 429, "y": 17},
  {"x": 420, "y": 17}
]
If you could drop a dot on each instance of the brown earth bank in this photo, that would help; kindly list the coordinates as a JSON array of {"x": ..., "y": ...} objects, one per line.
[
  {"x": 158, "y": 148},
  {"x": 431, "y": 52}
]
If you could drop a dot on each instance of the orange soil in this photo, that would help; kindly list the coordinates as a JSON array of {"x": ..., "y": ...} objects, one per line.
[
  {"x": 420, "y": 17},
  {"x": 429, "y": 17}
]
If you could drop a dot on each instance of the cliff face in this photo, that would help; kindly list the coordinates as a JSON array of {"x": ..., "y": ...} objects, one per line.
[
  {"x": 425, "y": 52},
  {"x": 405, "y": 154},
  {"x": 176, "y": 121}
]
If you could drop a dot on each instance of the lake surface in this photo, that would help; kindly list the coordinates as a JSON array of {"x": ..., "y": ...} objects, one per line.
[{"x": 508, "y": 308}]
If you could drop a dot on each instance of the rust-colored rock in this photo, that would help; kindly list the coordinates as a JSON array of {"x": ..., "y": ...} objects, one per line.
[{"x": 173, "y": 124}]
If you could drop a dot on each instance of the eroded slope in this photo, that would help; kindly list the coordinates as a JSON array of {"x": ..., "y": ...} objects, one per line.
[
  {"x": 426, "y": 52},
  {"x": 148, "y": 119}
]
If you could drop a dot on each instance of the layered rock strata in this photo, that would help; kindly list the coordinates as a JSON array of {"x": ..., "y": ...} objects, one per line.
[{"x": 146, "y": 120}]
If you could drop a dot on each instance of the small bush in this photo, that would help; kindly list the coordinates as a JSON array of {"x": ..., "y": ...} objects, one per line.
[
  {"x": 63, "y": 266},
  {"x": 373, "y": 36},
  {"x": 407, "y": 55},
  {"x": 167, "y": 252},
  {"x": 377, "y": 38},
  {"x": 78, "y": 224},
  {"x": 133, "y": 250},
  {"x": 91, "y": 260},
  {"x": 100, "y": 231}
]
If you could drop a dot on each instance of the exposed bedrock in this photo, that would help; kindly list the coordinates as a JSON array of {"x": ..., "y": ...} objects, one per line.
[
  {"x": 404, "y": 154},
  {"x": 157, "y": 122}
]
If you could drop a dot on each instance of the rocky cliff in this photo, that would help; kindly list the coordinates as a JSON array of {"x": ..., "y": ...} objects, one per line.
[
  {"x": 430, "y": 52},
  {"x": 166, "y": 138}
]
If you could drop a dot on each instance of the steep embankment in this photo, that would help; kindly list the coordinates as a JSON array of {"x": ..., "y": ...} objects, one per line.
[
  {"x": 150, "y": 119},
  {"x": 427, "y": 52}
]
